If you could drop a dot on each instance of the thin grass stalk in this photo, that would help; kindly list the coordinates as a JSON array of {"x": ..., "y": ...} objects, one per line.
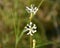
[
  {"x": 15, "y": 23},
  {"x": 40, "y": 4}
]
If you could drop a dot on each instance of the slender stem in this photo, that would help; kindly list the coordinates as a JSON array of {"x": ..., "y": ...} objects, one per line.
[
  {"x": 14, "y": 14},
  {"x": 30, "y": 41},
  {"x": 40, "y": 3},
  {"x": 15, "y": 21},
  {"x": 19, "y": 38},
  {"x": 34, "y": 43},
  {"x": 43, "y": 34},
  {"x": 44, "y": 44},
  {"x": 31, "y": 15}
]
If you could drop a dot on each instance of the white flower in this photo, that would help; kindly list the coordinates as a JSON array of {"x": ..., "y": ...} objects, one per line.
[
  {"x": 32, "y": 9},
  {"x": 31, "y": 28}
]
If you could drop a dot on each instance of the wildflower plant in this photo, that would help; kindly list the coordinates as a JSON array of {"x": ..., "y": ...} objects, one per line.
[
  {"x": 31, "y": 28},
  {"x": 32, "y": 9}
]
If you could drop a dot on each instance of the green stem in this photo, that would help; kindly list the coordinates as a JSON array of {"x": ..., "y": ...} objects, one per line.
[
  {"x": 15, "y": 21},
  {"x": 19, "y": 38},
  {"x": 30, "y": 41},
  {"x": 15, "y": 27},
  {"x": 31, "y": 16},
  {"x": 40, "y": 3},
  {"x": 44, "y": 44}
]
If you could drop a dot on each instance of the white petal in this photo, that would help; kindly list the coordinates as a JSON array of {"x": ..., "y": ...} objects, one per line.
[
  {"x": 30, "y": 23},
  {"x": 28, "y": 11},
  {"x": 33, "y": 31},
  {"x": 35, "y": 10},
  {"x": 28, "y": 8},
  {"x": 28, "y": 33},
  {"x": 34, "y": 27},
  {"x": 25, "y": 27}
]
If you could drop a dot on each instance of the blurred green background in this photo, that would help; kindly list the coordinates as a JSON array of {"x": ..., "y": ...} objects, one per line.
[{"x": 13, "y": 13}]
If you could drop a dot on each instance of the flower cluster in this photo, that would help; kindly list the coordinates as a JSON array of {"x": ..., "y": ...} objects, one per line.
[
  {"x": 32, "y": 9},
  {"x": 31, "y": 28}
]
